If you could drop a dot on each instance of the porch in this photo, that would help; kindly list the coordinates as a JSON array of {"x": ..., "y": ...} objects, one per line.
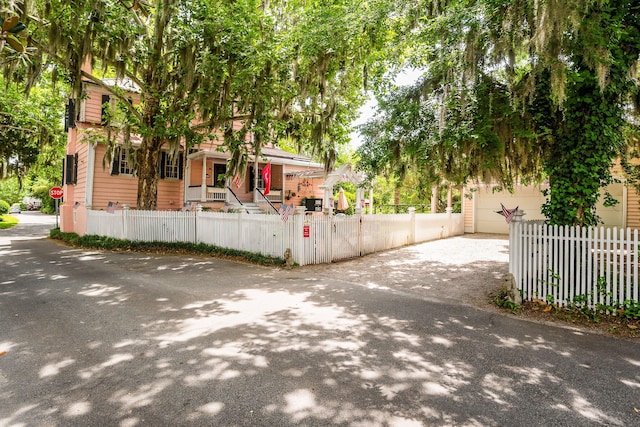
[
  {"x": 194, "y": 193},
  {"x": 206, "y": 181}
]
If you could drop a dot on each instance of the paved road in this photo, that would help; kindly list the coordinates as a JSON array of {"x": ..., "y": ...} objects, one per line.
[
  {"x": 125, "y": 339},
  {"x": 31, "y": 225}
]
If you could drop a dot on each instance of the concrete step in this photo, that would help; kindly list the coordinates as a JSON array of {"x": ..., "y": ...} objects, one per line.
[{"x": 253, "y": 209}]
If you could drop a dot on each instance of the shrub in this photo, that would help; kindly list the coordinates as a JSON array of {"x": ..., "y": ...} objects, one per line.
[
  {"x": 42, "y": 192},
  {"x": 4, "y": 207},
  {"x": 109, "y": 243}
]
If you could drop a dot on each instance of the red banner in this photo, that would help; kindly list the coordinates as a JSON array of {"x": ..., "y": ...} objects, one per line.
[{"x": 266, "y": 176}]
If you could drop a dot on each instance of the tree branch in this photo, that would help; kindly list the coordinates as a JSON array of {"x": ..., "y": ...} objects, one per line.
[
  {"x": 109, "y": 89},
  {"x": 217, "y": 122}
]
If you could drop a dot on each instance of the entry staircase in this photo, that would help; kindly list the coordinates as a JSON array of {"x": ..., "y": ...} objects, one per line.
[{"x": 253, "y": 209}]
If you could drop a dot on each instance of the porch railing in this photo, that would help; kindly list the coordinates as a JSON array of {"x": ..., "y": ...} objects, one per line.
[
  {"x": 263, "y": 197},
  {"x": 212, "y": 194},
  {"x": 274, "y": 195}
]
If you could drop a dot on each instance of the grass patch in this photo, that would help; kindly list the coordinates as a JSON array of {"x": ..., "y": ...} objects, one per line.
[
  {"x": 7, "y": 221},
  {"x": 181, "y": 248}
]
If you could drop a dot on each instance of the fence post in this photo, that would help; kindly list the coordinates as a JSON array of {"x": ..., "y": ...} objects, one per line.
[
  {"x": 412, "y": 232},
  {"x": 196, "y": 217},
  {"x": 299, "y": 250},
  {"x": 515, "y": 246},
  {"x": 125, "y": 222},
  {"x": 449, "y": 212}
]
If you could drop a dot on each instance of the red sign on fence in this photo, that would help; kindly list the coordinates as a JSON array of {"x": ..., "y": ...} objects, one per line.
[
  {"x": 305, "y": 231},
  {"x": 56, "y": 193}
]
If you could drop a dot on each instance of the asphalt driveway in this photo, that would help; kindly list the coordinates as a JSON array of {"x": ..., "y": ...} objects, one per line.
[
  {"x": 91, "y": 338},
  {"x": 464, "y": 269}
]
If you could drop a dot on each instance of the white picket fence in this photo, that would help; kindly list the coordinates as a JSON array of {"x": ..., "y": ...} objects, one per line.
[
  {"x": 313, "y": 239},
  {"x": 595, "y": 267}
]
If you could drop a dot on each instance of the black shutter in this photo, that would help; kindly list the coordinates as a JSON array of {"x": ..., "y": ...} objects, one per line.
[
  {"x": 163, "y": 162},
  {"x": 180, "y": 165},
  {"x": 104, "y": 109},
  {"x": 69, "y": 166},
  {"x": 251, "y": 178},
  {"x": 115, "y": 165},
  {"x": 70, "y": 115},
  {"x": 75, "y": 168}
]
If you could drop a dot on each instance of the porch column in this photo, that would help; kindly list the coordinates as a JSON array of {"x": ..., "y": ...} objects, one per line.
[
  {"x": 91, "y": 160},
  {"x": 186, "y": 180},
  {"x": 203, "y": 185},
  {"x": 359, "y": 197},
  {"x": 327, "y": 200}
]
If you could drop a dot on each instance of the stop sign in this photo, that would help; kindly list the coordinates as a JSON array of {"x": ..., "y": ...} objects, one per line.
[{"x": 56, "y": 193}]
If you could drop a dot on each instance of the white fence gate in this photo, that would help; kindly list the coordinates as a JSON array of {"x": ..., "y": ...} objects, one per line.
[
  {"x": 313, "y": 239},
  {"x": 597, "y": 267}
]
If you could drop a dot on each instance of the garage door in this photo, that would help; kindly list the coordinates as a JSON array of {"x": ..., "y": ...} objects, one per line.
[
  {"x": 530, "y": 200},
  {"x": 487, "y": 202}
]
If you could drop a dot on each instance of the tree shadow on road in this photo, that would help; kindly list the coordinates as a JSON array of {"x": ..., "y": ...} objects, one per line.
[{"x": 296, "y": 351}]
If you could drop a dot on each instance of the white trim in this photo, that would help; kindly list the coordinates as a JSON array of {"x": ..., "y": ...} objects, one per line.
[
  {"x": 252, "y": 159},
  {"x": 186, "y": 177},
  {"x": 83, "y": 111},
  {"x": 91, "y": 160},
  {"x": 625, "y": 194}
]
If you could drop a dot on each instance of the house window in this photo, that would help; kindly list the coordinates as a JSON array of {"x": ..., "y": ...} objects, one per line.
[
  {"x": 171, "y": 166},
  {"x": 104, "y": 109},
  {"x": 219, "y": 175},
  {"x": 125, "y": 167},
  {"x": 121, "y": 164}
]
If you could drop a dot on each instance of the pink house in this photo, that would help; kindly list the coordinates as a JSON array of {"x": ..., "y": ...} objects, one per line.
[{"x": 197, "y": 175}]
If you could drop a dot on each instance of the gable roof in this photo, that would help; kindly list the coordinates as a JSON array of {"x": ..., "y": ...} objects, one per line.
[{"x": 343, "y": 173}]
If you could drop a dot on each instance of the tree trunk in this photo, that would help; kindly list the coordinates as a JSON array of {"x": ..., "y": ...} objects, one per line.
[
  {"x": 148, "y": 173},
  {"x": 396, "y": 199},
  {"x": 434, "y": 199},
  {"x": 147, "y": 158}
]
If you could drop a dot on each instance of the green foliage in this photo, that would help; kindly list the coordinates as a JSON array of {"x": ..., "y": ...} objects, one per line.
[
  {"x": 512, "y": 90},
  {"x": 590, "y": 306},
  {"x": 4, "y": 207},
  {"x": 579, "y": 160},
  {"x": 109, "y": 243},
  {"x": 10, "y": 190},
  {"x": 41, "y": 191},
  {"x": 279, "y": 69},
  {"x": 28, "y": 127},
  {"x": 502, "y": 300}
]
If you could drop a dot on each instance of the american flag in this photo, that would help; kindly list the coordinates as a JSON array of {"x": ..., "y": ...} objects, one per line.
[
  {"x": 507, "y": 213},
  {"x": 237, "y": 181},
  {"x": 285, "y": 210},
  {"x": 111, "y": 207}
]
